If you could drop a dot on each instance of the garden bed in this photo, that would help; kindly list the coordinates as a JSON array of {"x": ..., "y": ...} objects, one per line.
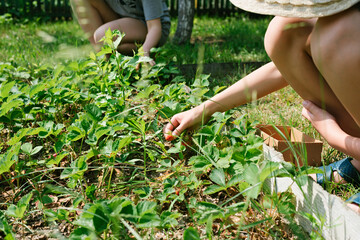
[{"x": 332, "y": 219}]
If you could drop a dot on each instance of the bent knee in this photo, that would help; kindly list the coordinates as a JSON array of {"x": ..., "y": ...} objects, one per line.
[
  {"x": 283, "y": 33},
  {"x": 99, "y": 33}
]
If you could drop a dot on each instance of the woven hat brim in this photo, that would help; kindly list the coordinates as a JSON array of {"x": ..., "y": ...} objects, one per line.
[{"x": 291, "y": 10}]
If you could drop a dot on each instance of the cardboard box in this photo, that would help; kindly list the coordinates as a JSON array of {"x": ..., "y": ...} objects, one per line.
[{"x": 296, "y": 146}]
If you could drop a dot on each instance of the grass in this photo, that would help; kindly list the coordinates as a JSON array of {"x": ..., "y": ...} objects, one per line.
[
  {"x": 35, "y": 43},
  {"x": 231, "y": 39},
  {"x": 225, "y": 40}
]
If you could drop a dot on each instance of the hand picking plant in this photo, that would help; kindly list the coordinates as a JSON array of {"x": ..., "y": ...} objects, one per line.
[{"x": 82, "y": 152}]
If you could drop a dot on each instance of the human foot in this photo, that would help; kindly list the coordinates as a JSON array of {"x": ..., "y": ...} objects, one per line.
[
  {"x": 353, "y": 202},
  {"x": 342, "y": 171}
]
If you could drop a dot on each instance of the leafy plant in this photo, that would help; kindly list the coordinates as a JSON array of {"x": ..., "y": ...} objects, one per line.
[{"x": 83, "y": 140}]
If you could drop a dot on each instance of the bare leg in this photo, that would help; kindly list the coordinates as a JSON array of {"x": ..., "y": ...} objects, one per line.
[
  {"x": 335, "y": 48},
  {"x": 135, "y": 33},
  {"x": 287, "y": 42},
  {"x": 91, "y": 14},
  {"x": 336, "y": 53},
  {"x": 305, "y": 50}
]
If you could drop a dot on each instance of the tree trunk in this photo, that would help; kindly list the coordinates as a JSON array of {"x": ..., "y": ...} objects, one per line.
[{"x": 186, "y": 11}]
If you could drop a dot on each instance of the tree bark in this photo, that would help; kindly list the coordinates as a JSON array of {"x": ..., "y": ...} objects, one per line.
[{"x": 186, "y": 11}]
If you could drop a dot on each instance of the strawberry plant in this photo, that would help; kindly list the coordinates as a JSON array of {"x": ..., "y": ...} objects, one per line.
[{"x": 83, "y": 152}]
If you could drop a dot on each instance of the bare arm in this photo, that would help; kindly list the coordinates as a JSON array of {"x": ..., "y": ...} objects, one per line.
[
  {"x": 262, "y": 81},
  {"x": 259, "y": 83},
  {"x": 153, "y": 35}
]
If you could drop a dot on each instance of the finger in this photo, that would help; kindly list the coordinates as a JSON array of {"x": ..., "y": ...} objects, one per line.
[
  {"x": 177, "y": 131},
  {"x": 306, "y": 114},
  {"x": 174, "y": 122},
  {"x": 168, "y": 129},
  {"x": 311, "y": 107}
]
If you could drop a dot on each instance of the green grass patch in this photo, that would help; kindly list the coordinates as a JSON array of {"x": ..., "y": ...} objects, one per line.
[{"x": 231, "y": 39}]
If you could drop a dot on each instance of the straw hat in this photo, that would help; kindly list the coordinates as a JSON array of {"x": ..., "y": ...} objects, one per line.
[{"x": 295, "y": 8}]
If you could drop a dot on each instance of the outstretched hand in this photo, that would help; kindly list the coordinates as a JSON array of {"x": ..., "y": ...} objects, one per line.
[
  {"x": 186, "y": 120},
  {"x": 150, "y": 63}
]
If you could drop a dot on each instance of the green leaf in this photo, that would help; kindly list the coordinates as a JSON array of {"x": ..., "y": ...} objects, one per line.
[
  {"x": 302, "y": 180},
  {"x": 104, "y": 51},
  {"x": 25, "y": 199},
  {"x": 145, "y": 93},
  {"x": 199, "y": 163},
  {"x": 145, "y": 207},
  {"x": 86, "y": 125},
  {"x": 51, "y": 215},
  {"x": 55, "y": 161},
  {"x": 168, "y": 219},
  {"x": 94, "y": 112},
  {"x": 90, "y": 192},
  {"x": 26, "y": 148},
  {"x": 5, "y": 89},
  {"x": 124, "y": 142},
  {"x": 251, "y": 175},
  {"x": 206, "y": 210},
  {"x": 82, "y": 234},
  {"x": 120, "y": 207},
  {"x": 86, "y": 219},
  {"x": 101, "y": 131},
  {"x": 9, "y": 158},
  {"x": 213, "y": 189},
  {"x": 107, "y": 148},
  {"x": 36, "y": 88},
  {"x": 143, "y": 192},
  {"x": 75, "y": 133},
  {"x": 13, "y": 211},
  {"x": 36, "y": 150},
  {"x": 18, "y": 211},
  {"x": 92, "y": 56},
  {"x": 209, "y": 225},
  {"x": 6, "y": 107},
  {"x": 224, "y": 162},
  {"x": 101, "y": 220},
  {"x": 236, "y": 179},
  {"x": 191, "y": 234},
  {"x": 119, "y": 35},
  {"x": 212, "y": 152},
  {"x": 76, "y": 169},
  {"x": 149, "y": 220},
  {"x": 218, "y": 177},
  {"x": 269, "y": 168},
  {"x": 6, "y": 228}
]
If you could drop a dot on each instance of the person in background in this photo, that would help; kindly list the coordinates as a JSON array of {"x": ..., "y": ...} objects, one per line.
[
  {"x": 316, "y": 50},
  {"x": 145, "y": 22}
]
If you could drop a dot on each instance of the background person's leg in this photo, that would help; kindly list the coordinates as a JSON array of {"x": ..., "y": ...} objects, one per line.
[
  {"x": 134, "y": 29},
  {"x": 91, "y": 14},
  {"x": 287, "y": 42}
]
